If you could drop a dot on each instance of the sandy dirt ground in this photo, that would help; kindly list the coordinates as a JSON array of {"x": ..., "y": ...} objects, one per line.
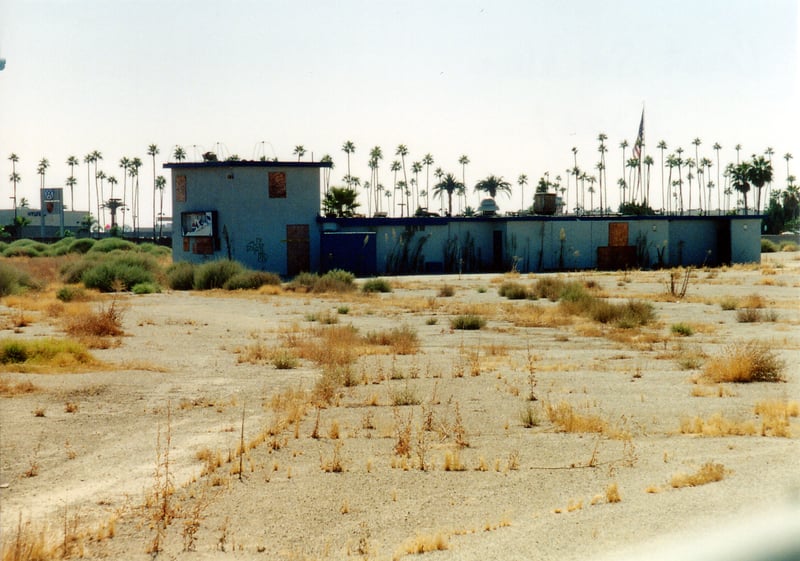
[{"x": 327, "y": 482}]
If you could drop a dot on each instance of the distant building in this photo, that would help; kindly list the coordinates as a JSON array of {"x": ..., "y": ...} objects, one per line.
[
  {"x": 262, "y": 214},
  {"x": 266, "y": 215}
]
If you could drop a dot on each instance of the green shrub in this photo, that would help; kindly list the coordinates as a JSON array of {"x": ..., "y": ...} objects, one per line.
[
  {"x": 446, "y": 291},
  {"x": 81, "y": 245},
  {"x": 305, "y": 281},
  {"x": 682, "y": 329},
  {"x": 768, "y": 246},
  {"x": 632, "y": 313},
  {"x": 107, "y": 245},
  {"x": 376, "y": 285},
  {"x": 21, "y": 251},
  {"x": 250, "y": 280},
  {"x": 72, "y": 273},
  {"x": 468, "y": 322},
  {"x": 9, "y": 279},
  {"x": 109, "y": 276},
  {"x": 335, "y": 280},
  {"x": 146, "y": 288},
  {"x": 512, "y": 291},
  {"x": 548, "y": 287},
  {"x": 575, "y": 291},
  {"x": 215, "y": 274},
  {"x": 180, "y": 276},
  {"x": 154, "y": 249},
  {"x": 71, "y": 293},
  {"x": 13, "y": 352}
]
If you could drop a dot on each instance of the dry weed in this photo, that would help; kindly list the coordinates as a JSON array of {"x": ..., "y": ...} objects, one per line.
[
  {"x": 717, "y": 425},
  {"x": 708, "y": 473},
  {"x": 742, "y": 362}
]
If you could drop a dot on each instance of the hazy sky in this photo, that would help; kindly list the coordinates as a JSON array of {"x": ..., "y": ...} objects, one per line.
[{"x": 512, "y": 84}]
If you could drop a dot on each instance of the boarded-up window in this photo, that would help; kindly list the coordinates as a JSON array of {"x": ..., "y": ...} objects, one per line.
[
  {"x": 277, "y": 185},
  {"x": 618, "y": 234},
  {"x": 180, "y": 188}
]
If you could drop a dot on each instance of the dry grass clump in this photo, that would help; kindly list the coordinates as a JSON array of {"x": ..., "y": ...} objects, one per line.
[
  {"x": 10, "y": 389},
  {"x": 42, "y": 354},
  {"x": 753, "y": 301},
  {"x": 106, "y": 321},
  {"x": 514, "y": 291},
  {"x": 755, "y": 315},
  {"x": 708, "y": 473},
  {"x": 612, "y": 493},
  {"x": 717, "y": 425},
  {"x": 468, "y": 322},
  {"x": 743, "y": 362},
  {"x": 564, "y": 416},
  {"x": 423, "y": 543},
  {"x": 729, "y": 303},
  {"x": 775, "y": 417},
  {"x": 403, "y": 340}
]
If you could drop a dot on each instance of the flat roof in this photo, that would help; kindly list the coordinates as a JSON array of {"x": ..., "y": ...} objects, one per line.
[{"x": 246, "y": 164}]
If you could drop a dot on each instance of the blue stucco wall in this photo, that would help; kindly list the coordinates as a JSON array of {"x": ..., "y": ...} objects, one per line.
[{"x": 254, "y": 222}]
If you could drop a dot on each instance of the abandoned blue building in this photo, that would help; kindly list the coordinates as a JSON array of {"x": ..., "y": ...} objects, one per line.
[{"x": 266, "y": 215}]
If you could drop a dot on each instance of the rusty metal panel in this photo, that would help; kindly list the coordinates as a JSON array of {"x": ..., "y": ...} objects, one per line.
[{"x": 618, "y": 234}]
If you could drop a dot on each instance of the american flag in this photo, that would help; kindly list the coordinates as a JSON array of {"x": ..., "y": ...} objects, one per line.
[{"x": 637, "y": 146}]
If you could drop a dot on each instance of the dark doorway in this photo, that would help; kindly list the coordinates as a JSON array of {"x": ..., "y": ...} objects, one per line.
[
  {"x": 497, "y": 250},
  {"x": 298, "y": 249},
  {"x": 724, "y": 242}
]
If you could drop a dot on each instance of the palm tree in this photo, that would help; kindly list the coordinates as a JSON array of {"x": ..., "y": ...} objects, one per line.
[
  {"x": 662, "y": 145},
  {"x": 161, "y": 183},
  {"x": 340, "y": 202},
  {"x": 703, "y": 168},
  {"x": 72, "y": 161},
  {"x": 133, "y": 171},
  {"x": 300, "y": 151},
  {"x": 449, "y": 185},
  {"x": 394, "y": 168},
  {"x": 690, "y": 164},
  {"x": 326, "y": 174},
  {"x": 348, "y": 148},
  {"x": 41, "y": 169},
  {"x": 96, "y": 157},
  {"x": 375, "y": 157},
  {"x": 152, "y": 151},
  {"x": 737, "y": 148},
  {"x": 679, "y": 162},
  {"x": 402, "y": 151},
  {"x": 648, "y": 161},
  {"x": 575, "y": 172},
  {"x": 493, "y": 185},
  {"x": 623, "y": 145},
  {"x": 125, "y": 163},
  {"x": 769, "y": 152},
  {"x": 100, "y": 176},
  {"x": 601, "y": 165},
  {"x": 464, "y": 161},
  {"x": 760, "y": 173},
  {"x": 88, "y": 159},
  {"x": 111, "y": 181},
  {"x": 522, "y": 181},
  {"x": 427, "y": 161},
  {"x": 787, "y": 157},
  {"x": 717, "y": 147},
  {"x": 591, "y": 180},
  {"x": 740, "y": 180},
  {"x": 14, "y": 178},
  {"x": 179, "y": 154},
  {"x": 71, "y": 182},
  {"x": 416, "y": 167}
]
